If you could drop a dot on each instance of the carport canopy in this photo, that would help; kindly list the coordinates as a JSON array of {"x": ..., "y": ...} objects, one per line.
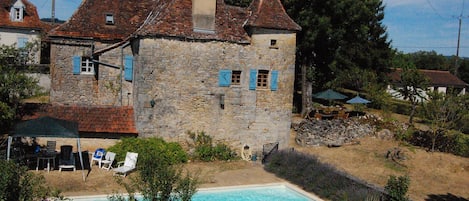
[{"x": 46, "y": 127}]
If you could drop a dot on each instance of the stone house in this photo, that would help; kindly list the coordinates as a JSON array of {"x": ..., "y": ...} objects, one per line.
[
  {"x": 441, "y": 81},
  {"x": 182, "y": 65},
  {"x": 20, "y": 24}
]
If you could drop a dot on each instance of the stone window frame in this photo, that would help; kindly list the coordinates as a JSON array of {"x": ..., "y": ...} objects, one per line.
[
  {"x": 87, "y": 66},
  {"x": 236, "y": 77},
  {"x": 262, "y": 79}
]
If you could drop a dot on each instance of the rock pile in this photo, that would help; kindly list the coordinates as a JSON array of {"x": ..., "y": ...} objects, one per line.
[{"x": 332, "y": 133}]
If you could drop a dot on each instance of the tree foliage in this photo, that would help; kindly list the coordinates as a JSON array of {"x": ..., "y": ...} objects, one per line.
[
  {"x": 16, "y": 183},
  {"x": 15, "y": 85},
  {"x": 444, "y": 112},
  {"x": 338, "y": 35},
  {"x": 412, "y": 83},
  {"x": 160, "y": 176}
]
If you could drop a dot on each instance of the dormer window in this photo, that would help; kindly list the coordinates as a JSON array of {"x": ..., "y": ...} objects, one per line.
[
  {"x": 17, "y": 12},
  {"x": 109, "y": 19}
]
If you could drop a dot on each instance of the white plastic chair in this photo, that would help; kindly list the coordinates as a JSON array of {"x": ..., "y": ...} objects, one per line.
[
  {"x": 128, "y": 165},
  {"x": 108, "y": 160}
]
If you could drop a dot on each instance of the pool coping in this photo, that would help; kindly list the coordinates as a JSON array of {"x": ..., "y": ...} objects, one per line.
[{"x": 286, "y": 184}]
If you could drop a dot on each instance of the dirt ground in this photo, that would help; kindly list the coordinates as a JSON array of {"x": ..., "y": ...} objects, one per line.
[
  {"x": 215, "y": 174},
  {"x": 433, "y": 176}
]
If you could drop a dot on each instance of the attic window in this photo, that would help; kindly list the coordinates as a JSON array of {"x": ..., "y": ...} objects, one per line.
[
  {"x": 109, "y": 19},
  {"x": 17, "y": 14},
  {"x": 273, "y": 44}
]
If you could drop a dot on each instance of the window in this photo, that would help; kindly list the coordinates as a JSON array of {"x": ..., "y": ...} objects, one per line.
[
  {"x": 87, "y": 66},
  {"x": 17, "y": 14},
  {"x": 22, "y": 42},
  {"x": 262, "y": 78},
  {"x": 273, "y": 44},
  {"x": 236, "y": 77},
  {"x": 109, "y": 19}
]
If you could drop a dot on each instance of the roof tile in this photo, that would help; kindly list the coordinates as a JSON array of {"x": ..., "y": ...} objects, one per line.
[
  {"x": 30, "y": 19},
  {"x": 436, "y": 77},
  {"x": 91, "y": 119}
]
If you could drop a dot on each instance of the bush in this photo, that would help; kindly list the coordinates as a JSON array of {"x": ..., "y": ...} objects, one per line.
[
  {"x": 16, "y": 183},
  {"x": 205, "y": 151},
  {"x": 322, "y": 179},
  {"x": 170, "y": 152},
  {"x": 452, "y": 141},
  {"x": 397, "y": 187}
]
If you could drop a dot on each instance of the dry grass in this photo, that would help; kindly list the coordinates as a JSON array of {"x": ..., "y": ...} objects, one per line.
[
  {"x": 214, "y": 174},
  {"x": 430, "y": 173}
]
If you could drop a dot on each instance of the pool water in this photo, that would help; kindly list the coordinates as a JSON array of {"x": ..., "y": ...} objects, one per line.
[{"x": 277, "y": 192}]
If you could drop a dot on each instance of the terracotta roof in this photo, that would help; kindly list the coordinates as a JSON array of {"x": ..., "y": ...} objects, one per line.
[
  {"x": 270, "y": 14},
  {"x": 30, "y": 19},
  {"x": 89, "y": 21},
  {"x": 171, "y": 18},
  {"x": 174, "y": 18},
  {"x": 436, "y": 77},
  {"x": 91, "y": 119}
]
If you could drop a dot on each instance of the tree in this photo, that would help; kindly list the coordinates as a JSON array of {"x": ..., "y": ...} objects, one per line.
[
  {"x": 15, "y": 85},
  {"x": 336, "y": 36},
  {"x": 430, "y": 60},
  {"x": 443, "y": 112},
  {"x": 412, "y": 83}
]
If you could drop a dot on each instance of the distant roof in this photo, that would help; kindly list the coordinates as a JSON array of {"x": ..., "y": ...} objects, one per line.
[
  {"x": 436, "y": 77},
  {"x": 91, "y": 119},
  {"x": 171, "y": 18},
  {"x": 89, "y": 20},
  {"x": 30, "y": 18},
  {"x": 270, "y": 14}
]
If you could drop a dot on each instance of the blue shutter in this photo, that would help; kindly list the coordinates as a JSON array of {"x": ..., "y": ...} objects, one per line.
[
  {"x": 22, "y": 42},
  {"x": 128, "y": 67},
  {"x": 224, "y": 78},
  {"x": 252, "y": 79},
  {"x": 274, "y": 80},
  {"x": 76, "y": 65}
]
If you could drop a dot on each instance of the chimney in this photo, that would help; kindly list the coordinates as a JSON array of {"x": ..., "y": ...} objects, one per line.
[{"x": 203, "y": 15}]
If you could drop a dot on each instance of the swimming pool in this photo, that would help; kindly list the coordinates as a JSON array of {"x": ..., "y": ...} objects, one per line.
[{"x": 271, "y": 192}]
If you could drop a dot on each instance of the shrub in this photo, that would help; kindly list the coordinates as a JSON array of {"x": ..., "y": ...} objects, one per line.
[
  {"x": 452, "y": 141},
  {"x": 16, "y": 183},
  {"x": 205, "y": 151},
  {"x": 397, "y": 187},
  {"x": 322, "y": 179},
  {"x": 171, "y": 152}
]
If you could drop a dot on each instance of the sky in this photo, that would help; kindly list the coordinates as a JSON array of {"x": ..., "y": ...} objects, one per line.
[{"x": 412, "y": 25}]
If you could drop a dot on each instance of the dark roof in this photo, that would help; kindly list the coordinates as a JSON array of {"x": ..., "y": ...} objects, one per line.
[
  {"x": 436, "y": 77},
  {"x": 91, "y": 119},
  {"x": 270, "y": 14},
  {"x": 30, "y": 18},
  {"x": 174, "y": 18},
  {"x": 89, "y": 20},
  {"x": 171, "y": 18}
]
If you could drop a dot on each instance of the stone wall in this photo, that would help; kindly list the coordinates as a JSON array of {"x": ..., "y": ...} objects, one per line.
[
  {"x": 107, "y": 88},
  {"x": 181, "y": 78}
]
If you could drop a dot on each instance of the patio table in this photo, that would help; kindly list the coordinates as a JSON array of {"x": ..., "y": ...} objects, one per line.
[{"x": 45, "y": 158}]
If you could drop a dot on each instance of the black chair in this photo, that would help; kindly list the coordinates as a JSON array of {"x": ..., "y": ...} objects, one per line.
[{"x": 66, "y": 158}]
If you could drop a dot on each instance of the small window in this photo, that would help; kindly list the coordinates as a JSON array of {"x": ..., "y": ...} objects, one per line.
[
  {"x": 87, "y": 66},
  {"x": 273, "y": 44},
  {"x": 262, "y": 78},
  {"x": 109, "y": 19},
  {"x": 17, "y": 14},
  {"x": 236, "y": 77}
]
